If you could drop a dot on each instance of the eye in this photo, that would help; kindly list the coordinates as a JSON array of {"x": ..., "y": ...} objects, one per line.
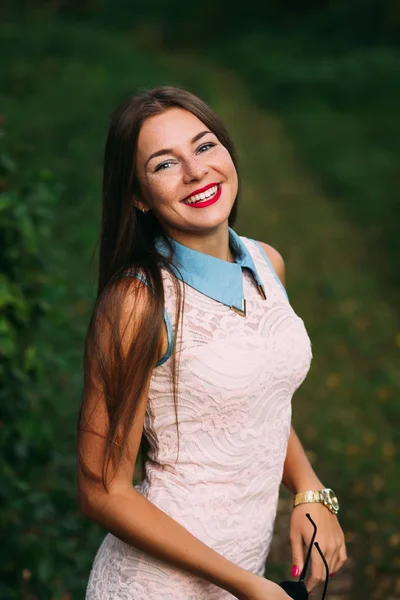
[
  {"x": 205, "y": 147},
  {"x": 164, "y": 165}
]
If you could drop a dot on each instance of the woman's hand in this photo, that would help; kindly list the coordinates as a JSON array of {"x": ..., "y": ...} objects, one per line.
[
  {"x": 259, "y": 588},
  {"x": 329, "y": 536}
]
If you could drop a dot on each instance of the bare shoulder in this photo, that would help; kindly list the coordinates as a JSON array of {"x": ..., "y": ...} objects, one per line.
[
  {"x": 276, "y": 260},
  {"x": 138, "y": 310},
  {"x": 125, "y": 298},
  {"x": 124, "y": 307}
]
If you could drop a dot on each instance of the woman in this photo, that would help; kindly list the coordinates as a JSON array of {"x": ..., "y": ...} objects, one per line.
[{"x": 194, "y": 349}]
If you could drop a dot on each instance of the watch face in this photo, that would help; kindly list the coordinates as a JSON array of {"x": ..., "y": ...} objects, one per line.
[{"x": 330, "y": 497}]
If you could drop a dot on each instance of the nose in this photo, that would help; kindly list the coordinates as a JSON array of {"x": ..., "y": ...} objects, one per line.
[{"x": 194, "y": 169}]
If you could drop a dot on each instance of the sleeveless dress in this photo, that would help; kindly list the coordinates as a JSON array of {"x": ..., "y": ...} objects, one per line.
[{"x": 237, "y": 378}]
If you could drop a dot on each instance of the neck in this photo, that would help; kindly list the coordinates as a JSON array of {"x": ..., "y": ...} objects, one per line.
[{"x": 215, "y": 243}]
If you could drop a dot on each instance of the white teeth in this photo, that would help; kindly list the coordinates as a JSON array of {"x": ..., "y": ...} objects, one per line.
[{"x": 203, "y": 196}]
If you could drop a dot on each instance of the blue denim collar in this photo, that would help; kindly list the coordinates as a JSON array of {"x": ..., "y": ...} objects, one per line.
[{"x": 216, "y": 278}]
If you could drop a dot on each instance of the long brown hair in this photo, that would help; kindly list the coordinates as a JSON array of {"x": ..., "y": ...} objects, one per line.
[{"x": 127, "y": 242}]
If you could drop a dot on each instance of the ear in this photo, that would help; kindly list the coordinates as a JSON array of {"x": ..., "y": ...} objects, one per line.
[{"x": 139, "y": 204}]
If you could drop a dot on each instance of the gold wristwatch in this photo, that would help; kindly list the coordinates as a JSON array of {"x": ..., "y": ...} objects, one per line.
[{"x": 327, "y": 497}]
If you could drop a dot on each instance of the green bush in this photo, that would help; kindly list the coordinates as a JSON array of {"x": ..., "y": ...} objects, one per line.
[
  {"x": 59, "y": 84},
  {"x": 27, "y": 433}
]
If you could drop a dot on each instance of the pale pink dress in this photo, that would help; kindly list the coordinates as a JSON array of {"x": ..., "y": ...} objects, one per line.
[{"x": 237, "y": 378}]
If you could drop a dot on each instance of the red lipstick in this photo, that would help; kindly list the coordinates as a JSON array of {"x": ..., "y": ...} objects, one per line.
[
  {"x": 200, "y": 190},
  {"x": 209, "y": 201}
]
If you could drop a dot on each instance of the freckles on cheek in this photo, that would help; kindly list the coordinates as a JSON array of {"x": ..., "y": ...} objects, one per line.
[
  {"x": 165, "y": 192},
  {"x": 160, "y": 195}
]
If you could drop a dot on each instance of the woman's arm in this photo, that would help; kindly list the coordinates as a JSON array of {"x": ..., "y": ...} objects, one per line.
[
  {"x": 298, "y": 474},
  {"x": 132, "y": 518},
  {"x": 128, "y": 515}
]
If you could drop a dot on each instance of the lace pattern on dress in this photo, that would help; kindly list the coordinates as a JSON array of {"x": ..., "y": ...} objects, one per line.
[{"x": 237, "y": 379}]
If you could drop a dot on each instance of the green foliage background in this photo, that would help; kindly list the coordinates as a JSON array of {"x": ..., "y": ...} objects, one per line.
[{"x": 310, "y": 95}]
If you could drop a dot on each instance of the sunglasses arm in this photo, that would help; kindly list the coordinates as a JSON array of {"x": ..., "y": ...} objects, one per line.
[
  {"x": 326, "y": 570},
  {"x": 304, "y": 571}
]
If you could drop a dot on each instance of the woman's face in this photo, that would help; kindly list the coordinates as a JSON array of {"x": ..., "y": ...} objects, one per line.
[{"x": 186, "y": 176}]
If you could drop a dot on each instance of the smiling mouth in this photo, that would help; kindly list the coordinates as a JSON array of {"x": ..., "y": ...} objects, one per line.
[{"x": 203, "y": 196}]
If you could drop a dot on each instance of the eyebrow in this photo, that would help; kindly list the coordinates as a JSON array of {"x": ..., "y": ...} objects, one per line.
[{"x": 195, "y": 139}]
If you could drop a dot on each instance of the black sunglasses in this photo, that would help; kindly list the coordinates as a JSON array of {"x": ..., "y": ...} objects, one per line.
[{"x": 297, "y": 589}]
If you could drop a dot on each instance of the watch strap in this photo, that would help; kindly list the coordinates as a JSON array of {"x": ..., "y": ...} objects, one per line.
[
  {"x": 307, "y": 497},
  {"x": 326, "y": 497}
]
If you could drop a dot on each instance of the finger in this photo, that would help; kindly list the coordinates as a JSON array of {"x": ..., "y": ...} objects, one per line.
[
  {"x": 331, "y": 554},
  {"x": 318, "y": 573},
  {"x": 340, "y": 559},
  {"x": 339, "y": 556},
  {"x": 296, "y": 543},
  {"x": 334, "y": 563}
]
